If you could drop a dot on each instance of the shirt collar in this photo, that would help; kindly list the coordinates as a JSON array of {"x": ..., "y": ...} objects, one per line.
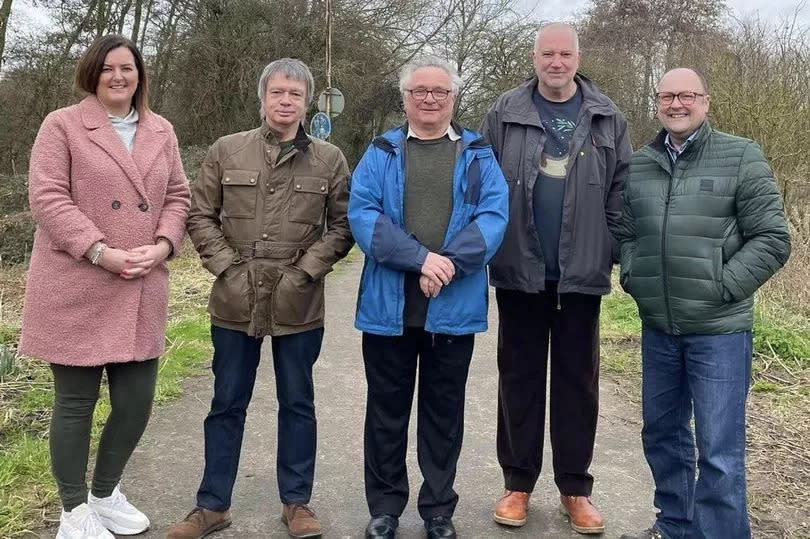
[
  {"x": 674, "y": 152},
  {"x": 450, "y": 133}
]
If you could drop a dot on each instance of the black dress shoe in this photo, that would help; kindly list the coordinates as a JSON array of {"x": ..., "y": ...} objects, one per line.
[
  {"x": 440, "y": 528},
  {"x": 382, "y": 527}
]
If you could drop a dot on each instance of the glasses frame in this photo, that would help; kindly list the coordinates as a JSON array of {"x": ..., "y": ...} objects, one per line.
[
  {"x": 431, "y": 92},
  {"x": 668, "y": 102}
]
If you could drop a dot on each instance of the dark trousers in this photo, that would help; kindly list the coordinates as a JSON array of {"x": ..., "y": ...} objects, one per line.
[
  {"x": 236, "y": 358},
  {"x": 132, "y": 389},
  {"x": 391, "y": 365},
  {"x": 529, "y": 324}
]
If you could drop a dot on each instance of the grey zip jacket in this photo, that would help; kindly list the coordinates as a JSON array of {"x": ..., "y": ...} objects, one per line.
[{"x": 599, "y": 157}]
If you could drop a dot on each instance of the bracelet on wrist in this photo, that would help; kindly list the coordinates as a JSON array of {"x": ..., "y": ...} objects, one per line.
[{"x": 97, "y": 253}]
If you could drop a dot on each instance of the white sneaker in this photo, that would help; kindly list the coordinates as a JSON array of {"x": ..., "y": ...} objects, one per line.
[
  {"x": 81, "y": 523},
  {"x": 117, "y": 514}
]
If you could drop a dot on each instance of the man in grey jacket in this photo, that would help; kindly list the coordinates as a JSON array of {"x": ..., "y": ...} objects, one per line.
[{"x": 564, "y": 149}]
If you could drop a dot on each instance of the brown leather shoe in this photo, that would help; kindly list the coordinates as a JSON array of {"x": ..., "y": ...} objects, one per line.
[
  {"x": 511, "y": 509},
  {"x": 300, "y": 520},
  {"x": 199, "y": 523},
  {"x": 582, "y": 515}
]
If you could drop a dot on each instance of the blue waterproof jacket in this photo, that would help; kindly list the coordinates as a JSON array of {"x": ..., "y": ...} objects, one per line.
[{"x": 474, "y": 233}]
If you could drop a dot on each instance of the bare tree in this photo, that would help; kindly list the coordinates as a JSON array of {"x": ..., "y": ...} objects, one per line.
[{"x": 5, "y": 13}]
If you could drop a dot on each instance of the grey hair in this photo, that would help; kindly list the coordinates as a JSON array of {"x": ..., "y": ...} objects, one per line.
[
  {"x": 550, "y": 25},
  {"x": 290, "y": 68},
  {"x": 430, "y": 61}
]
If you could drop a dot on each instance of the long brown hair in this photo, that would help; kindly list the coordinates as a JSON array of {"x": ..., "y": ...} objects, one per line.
[{"x": 88, "y": 70}]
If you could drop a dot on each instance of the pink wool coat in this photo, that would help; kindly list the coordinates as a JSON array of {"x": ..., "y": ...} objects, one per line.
[{"x": 84, "y": 186}]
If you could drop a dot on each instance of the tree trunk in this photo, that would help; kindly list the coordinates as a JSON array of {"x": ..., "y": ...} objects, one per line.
[
  {"x": 5, "y": 12},
  {"x": 122, "y": 16},
  {"x": 136, "y": 21}
]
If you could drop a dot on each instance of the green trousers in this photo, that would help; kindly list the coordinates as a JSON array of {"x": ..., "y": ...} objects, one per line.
[{"x": 132, "y": 389}]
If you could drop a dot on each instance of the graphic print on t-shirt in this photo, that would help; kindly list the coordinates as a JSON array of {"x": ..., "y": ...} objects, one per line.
[{"x": 554, "y": 160}]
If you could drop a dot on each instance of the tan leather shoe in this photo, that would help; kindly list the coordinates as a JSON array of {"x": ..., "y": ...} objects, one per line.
[
  {"x": 511, "y": 509},
  {"x": 582, "y": 515},
  {"x": 199, "y": 523},
  {"x": 300, "y": 520}
]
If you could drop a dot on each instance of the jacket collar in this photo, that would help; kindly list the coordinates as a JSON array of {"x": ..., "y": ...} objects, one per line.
[
  {"x": 703, "y": 132},
  {"x": 520, "y": 107},
  {"x": 394, "y": 138},
  {"x": 150, "y": 137},
  {"x": 300, "y": 142}
]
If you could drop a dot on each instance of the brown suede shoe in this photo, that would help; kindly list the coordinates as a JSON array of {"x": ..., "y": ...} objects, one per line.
[
  {"x": 300, "y": 520},
  {"x": 199, "y": 523},
  {"x": 511, "y": 509},
  {"x": 582, "y": 515}
]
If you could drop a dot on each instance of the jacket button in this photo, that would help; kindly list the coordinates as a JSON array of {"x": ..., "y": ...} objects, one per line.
[
  {"x": 143, "y": 206},
  {"x": 323, "y": 188},
  {"x": 116, "y": 204},
  {"x": 272, "y": 190},
  {"x": 264, "y": 236},
  {"x": 260, "y": 283},
  {"x": 253, "y": 180},
  {"x": 227, "y": 180},
  {"x": 298, "y": 186}
]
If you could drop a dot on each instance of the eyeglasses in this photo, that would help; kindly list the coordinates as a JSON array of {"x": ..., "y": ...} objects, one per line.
[
  {"x": 686, "y": 98},
  {"x": 420, "y": 94}
]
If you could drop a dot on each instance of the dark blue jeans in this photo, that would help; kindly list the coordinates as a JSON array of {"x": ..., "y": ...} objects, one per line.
[
  {"x": 236, "y": 357},
  {"x": 708, "y": 375}
]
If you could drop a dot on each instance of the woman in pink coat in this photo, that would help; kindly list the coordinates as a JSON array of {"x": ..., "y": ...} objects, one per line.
[{"x": 110, "y": 199}]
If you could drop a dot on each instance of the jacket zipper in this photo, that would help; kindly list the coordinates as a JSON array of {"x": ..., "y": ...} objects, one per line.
[{"x": 664, "y": 275}]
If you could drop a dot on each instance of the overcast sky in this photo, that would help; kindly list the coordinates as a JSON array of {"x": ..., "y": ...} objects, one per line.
[{"x": 768, "y": 10}]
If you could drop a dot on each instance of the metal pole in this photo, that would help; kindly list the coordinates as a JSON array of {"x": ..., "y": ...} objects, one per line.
[{"x": 329, "y": 58}]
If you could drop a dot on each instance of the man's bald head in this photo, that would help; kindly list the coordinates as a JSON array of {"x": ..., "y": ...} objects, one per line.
[
  {"x": 557, "y": 27},
  {"x": 685, "y": 74}
]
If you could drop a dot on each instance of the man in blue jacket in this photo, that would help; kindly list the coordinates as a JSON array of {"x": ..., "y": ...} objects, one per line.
[{"x": 428, "y": 207}]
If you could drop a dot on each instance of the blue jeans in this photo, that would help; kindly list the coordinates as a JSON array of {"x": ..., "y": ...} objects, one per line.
[
  {"x": 236, "y": 357},
  {"x": 709, "y": 374}
]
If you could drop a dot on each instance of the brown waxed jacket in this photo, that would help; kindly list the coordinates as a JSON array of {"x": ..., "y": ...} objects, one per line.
[{"x": 270, "y": 229}]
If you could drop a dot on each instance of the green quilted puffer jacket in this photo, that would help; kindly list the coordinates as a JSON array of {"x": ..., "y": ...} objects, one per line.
[{"x": 699, "y": 236}]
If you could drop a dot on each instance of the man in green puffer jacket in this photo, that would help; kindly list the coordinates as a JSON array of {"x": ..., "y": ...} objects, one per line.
[{"x": 703, "y": 228}]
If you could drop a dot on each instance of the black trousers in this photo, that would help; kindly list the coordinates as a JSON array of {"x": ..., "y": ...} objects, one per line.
[
  {"x": 529, "y": 324},
  {"x": 132, "y": 389},
  {"x": 391, "y": 365}
]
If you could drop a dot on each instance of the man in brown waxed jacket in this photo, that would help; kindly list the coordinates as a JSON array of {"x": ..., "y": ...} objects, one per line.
[{"x": 268, "y": 218}]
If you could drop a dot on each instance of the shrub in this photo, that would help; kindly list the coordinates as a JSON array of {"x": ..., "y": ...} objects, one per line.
[{"x": 16, "y": 237}]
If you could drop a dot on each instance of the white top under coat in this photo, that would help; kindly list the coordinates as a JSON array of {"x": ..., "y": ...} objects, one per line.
[{"x": 126, "y": 127}]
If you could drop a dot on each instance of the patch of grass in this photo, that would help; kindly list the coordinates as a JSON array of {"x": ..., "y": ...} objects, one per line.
[
  {"x": 9, "y": 334},
  {"x": 619, "y": 319},
  {"x": 624, "y": 358},
  {"x": 783, "y": 335},
  {"x": 765, "y": 386},
  {"x": 189, "y": 347},
  {"x": 620, "y": 332},
  {"x": 27, "y": 491}
]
